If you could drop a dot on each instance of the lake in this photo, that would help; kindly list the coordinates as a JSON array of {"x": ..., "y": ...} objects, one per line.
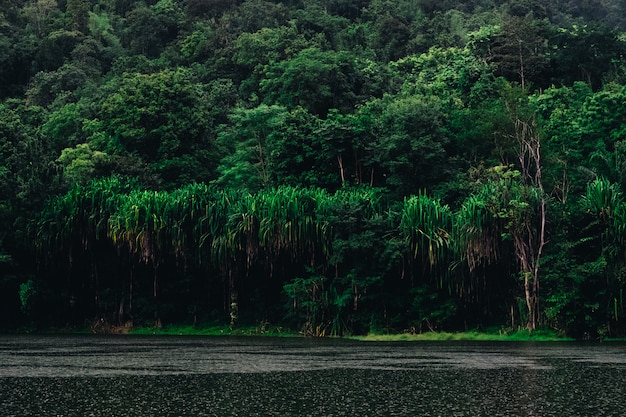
[{"x": 221, "y": 376}]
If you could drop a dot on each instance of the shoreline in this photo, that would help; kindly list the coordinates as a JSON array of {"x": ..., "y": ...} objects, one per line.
[
  {"x": 266, "y": 330},
  {"x": 279, "y": 331}
]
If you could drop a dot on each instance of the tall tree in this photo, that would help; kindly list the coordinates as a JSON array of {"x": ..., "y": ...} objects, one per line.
[
  {"x": 520, "y": 51},
  {"x": 78, "y": 12},
  {"x": 528, "y": 232}
]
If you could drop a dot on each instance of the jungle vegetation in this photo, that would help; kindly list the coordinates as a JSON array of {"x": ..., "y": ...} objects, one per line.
[{"x": 335, "y": 167}]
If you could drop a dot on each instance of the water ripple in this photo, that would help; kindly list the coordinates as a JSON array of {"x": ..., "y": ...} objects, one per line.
[{"x": 186, "y": 376}]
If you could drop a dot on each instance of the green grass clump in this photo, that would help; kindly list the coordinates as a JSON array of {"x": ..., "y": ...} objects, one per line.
[{"x": 519, "y": 335}]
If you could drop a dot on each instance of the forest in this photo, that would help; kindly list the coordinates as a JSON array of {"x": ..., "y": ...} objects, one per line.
[{"x": 337, "y": 167}]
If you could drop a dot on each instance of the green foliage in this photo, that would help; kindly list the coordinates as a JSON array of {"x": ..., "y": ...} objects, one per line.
[
  {"x": 585, "y": 52},
  {"x": 520, "y": 51},
  {"x": 426, "y": 224},
  {"x": 314, "y": 79},
  {"x": 148, "y": 29},
  {"x": 603, "y": 199},
  {"x": 248, "y": 165},
  {"x": 410, "y": 144},
  {"x": 102, "y": 30},
  {"x": 586, "y": 272},
  {"x": 161, "y": 117},
  {"x": 431, "y": 309},
  {"x": 451, "y": 70},
  {"x": 308, "y": 303},
  {"x": 331, "y": 300},
  {"x": 26, "y": 174},
  {"x": 80, "y": 163},
  {"x": 349, "y": 165},
  {"x": 28, "y": 294},
  {"x": 48, "y": 86}
]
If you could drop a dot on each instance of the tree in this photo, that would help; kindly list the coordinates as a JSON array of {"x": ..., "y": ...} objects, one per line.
[
  {"x": 298, "y": 153},
  {"x": 165, "y": 119},
  {"x": 332, "y": 295},
  {"x": 256, "y": 15},
  {"x": 530, "y": 240},
  {"x": 528, "y": 223},
  {"x": 585, "y": 52},
  {"x": 410, "y": 145},
  {"x": 39, "y": 13},
  {"x": 63, "y": 126},
  {"x": 150, "y": 29},
  {"x": 70, "y": 235},
  {"x": 519, "y": 53},
  {"x": 47, "y": 86},
  {"x": 448, "y": 73},
  {"x": 390, "y": 27},
  {"x": 315, "y": 80},
  {"x": 567, "y": 152},
  {"x": 603, "y": 201},
  {"x": 254, "y": 52},
  {"x": 248, "y": 163},
  {"x": 78, "y": 11},
  {"x": 17, "y": 51},
  {"x": 102, "y": 30},
  {"x": 26, "y": 171},
  {"x": 603, "y": 132},
  {"x": 80, "y": 163},
  {"x": 207, "y": 8},
  {"x": 586, "y": 270},
  {"x": 347, "y": 144},
  {"x": 585, "y": 133},
  {"x": 315, "y": 22},
  {"x": 27, "y": 178}
]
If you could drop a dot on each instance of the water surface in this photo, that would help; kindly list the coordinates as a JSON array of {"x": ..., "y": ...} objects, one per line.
[{"x": 215, "y": 376}]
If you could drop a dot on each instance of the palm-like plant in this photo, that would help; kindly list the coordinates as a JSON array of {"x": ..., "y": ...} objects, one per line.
[
  {"x": 73, "y": 222},
  {"x": 426, "y": 224},
  {"x": 477, "y": 231},
  {"x": 602, "y": 198}
]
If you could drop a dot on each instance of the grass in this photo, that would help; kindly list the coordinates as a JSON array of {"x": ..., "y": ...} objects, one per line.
[
  {"x": 262, "y": 329},
  {"x": 614, "y": 339},
  {"x": 517, "y": 336},
  {"x": 215, "y": 330},
  {"x": 277, "y": 331},
  {"x": 266, "y": 329}
]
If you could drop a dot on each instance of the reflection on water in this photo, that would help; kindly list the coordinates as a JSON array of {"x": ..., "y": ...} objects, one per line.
[{"x": 186, "y": 376}]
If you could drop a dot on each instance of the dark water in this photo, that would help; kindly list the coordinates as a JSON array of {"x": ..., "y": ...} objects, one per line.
[{"x": 212, "y": 376}]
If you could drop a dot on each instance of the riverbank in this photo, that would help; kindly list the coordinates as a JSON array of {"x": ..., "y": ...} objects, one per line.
[
  {"x": 517, "y": 336},
  {"x": 215, "y": 330},
  {"x": 268, "y": 330},
  {"x": 279, "y": 331}
]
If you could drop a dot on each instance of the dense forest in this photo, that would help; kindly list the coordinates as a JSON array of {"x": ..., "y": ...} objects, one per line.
[{"x": 333, "y": 166}]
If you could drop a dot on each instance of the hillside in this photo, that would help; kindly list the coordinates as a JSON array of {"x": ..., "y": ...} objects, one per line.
[{"x": 337, "y": 167}]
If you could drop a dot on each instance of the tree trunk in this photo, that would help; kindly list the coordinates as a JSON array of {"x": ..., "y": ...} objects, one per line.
[
  {"x": 342, "y": 172},
  {"x": 530, "y": 252},
  {"x": 157, "y": 316}
]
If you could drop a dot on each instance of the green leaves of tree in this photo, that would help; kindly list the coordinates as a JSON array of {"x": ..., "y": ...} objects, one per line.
[
  {"x": 163, "y": 118},
  {"x": 248, "y": 164},
  {"x": 314, "y": 79}
]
